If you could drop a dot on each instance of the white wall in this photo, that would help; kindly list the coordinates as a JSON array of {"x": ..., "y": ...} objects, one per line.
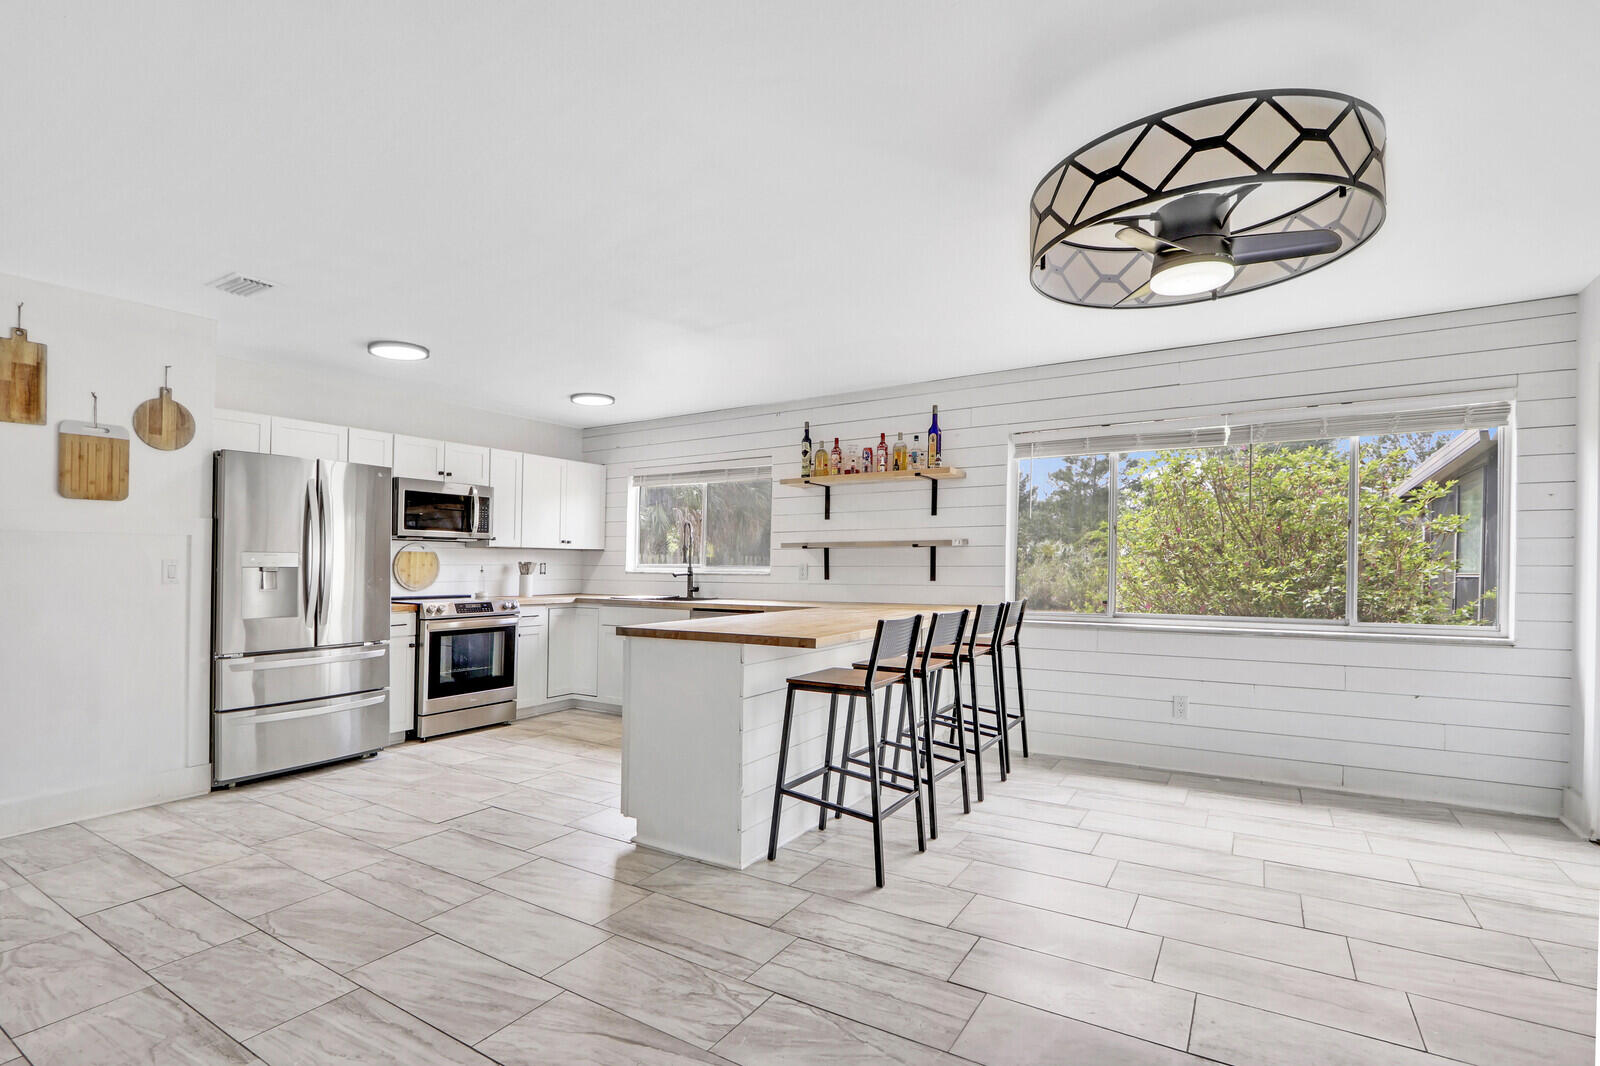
[
  {"x": 320, "y": 395},
  {"x": 1473, "y": 725},
  {"x": 105, "y": 692},
  {"x": 1583, "y": 802}
]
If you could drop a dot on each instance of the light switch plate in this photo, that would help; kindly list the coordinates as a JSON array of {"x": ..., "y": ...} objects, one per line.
[
  {"x": 805, "y": 571},
  {"x": 169, "y": 571}
]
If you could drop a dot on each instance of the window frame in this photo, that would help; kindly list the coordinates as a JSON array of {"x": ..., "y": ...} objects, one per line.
[
  {"x": 1348, "y": 627},
  {"x": 696, "y": 476}
]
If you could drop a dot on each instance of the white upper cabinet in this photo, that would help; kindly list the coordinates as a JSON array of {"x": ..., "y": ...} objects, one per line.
[
  {"x": 466, "y": 464},
  {"x": 241, "y": 431},
  {"x": 583, "y": 506},
  {"x": 541, "y": 501},
  {"x": 418, "y": 457},
  {"x": 371, "y": 447},
  {"x": 505, "y": 510},
  {"x": 310, "y": 440}
]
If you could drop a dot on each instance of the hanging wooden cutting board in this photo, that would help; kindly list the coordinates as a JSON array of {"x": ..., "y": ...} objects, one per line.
[
  {"x": 22, "y": 379},
  {"x": 415, "y": 568},
  {"x": 163, "y": 422},
  {"x": 93, "y": 462}
]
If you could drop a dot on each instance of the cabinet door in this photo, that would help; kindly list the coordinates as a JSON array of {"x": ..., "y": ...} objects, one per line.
[
  {"x": 402, "y": 683},
  {"x": 241, "y": 431},
  {"x": 466, "y": 464},
  {"x": 310, "y": 440},
  {"x": 505, "y": 510},
  {"x": 541, "y": 501},
  {"x": 608, "y": 680},
  {"x": 531, "y": 666},
  {"x": 371, "y": 447},
  {"x": 583, "y": 506},
  {"x": 574, "y": 651},
  {"x": 418, "y": 457}
]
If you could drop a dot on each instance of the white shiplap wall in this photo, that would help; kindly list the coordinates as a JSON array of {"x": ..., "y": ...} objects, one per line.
[{"x": 1474, "y": 725}]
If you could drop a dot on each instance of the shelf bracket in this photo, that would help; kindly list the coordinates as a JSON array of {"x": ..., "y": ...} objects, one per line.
[
  {"x": 826, "y": 574},
  {"x": 827, "y": 502},
  {"x": 935, "y": 483}
]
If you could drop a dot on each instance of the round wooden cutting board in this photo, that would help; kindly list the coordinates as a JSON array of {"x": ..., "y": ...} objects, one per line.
[
  {"x": 164, "y": 423},
  {"x": 416, "y": 568}
]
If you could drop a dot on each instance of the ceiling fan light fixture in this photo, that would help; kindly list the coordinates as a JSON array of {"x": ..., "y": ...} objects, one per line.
[
  {"x": 402, "y": 351},
  {"x": 1273, "y": 183},
  {"x": 1191, "y": 274}
]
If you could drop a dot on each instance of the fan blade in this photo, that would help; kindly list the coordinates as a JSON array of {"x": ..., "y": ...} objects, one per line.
[
  {"x": 1137, "y": 294},
  {"x": 1296, "y": 244},
  {"x": 1141, "y": 240}
]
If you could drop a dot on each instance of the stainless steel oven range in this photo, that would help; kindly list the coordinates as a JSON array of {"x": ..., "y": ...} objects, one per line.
[{"x": 466, "y": 663}]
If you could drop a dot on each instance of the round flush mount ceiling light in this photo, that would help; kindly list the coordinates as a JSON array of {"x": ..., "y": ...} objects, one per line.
[
  {"x": 1210, "y": 199},
  {"x": 592, "y": 399},
  {"x": 401, "y": 350}
]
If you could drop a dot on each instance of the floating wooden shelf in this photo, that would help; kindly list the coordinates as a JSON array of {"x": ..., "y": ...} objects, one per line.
[
  {"x": 932, "y": 474},
  {"x": 827, "y": 547}
]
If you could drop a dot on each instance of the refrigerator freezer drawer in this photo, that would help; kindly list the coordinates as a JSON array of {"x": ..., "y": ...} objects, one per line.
[
  {"x": 287, "y": 677},
  {"x": 271, "y": 739}
]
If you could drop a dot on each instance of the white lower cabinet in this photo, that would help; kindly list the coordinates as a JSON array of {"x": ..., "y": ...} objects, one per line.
[
  {"x": 402, "y": 671},
  {"x": 612, "y": 647},
  {"x": 574, "y": 644},
  {"x": 532, "y": 660}
]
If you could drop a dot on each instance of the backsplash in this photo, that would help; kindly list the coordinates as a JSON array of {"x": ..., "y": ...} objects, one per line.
[{"x": 458, "y": 570}]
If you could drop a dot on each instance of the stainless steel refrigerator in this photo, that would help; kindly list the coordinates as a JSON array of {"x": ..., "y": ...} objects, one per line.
[{"x": 299, "y": 613}]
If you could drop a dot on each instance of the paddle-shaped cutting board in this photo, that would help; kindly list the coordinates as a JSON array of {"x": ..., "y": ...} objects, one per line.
[
  {"x": 163, "y": 422},
  {"x": 93, "y": 462},
  {"x": 21, "y": 379}
]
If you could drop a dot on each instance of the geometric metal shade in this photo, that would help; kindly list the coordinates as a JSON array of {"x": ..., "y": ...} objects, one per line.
[{"x": 1316, "y": 160}]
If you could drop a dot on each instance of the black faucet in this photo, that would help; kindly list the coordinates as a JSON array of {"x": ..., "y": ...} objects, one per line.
[{"x": 688, "y": 559}]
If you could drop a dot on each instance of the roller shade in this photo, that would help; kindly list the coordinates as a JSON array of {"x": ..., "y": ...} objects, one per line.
[
  {"x": 1261, "y": 427},
  {"x": 741, "y": 471}
]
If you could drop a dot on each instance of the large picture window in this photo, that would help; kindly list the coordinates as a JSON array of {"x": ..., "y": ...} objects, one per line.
[
  {"x": 718, "y": 519},
  {"x": 1387, "y": 517}
]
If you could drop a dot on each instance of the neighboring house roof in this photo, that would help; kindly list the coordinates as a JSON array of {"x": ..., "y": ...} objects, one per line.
[{"x": 1451, "y": 461}]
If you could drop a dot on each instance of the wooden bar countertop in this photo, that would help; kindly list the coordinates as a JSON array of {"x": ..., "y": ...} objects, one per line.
[{"x": 821, "y": 625}]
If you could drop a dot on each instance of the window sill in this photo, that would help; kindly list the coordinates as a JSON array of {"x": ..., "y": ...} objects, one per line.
[
  {"x": 1412, "y": 636},
  {"x": 712, "y": 571}
]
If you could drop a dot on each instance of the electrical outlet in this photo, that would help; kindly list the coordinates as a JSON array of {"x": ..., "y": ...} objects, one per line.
[
  {"x": 1180, "y": 708},
  {"x": 169, "y": 571},
  {"x": 541, "y": 568},
  {"x": 805, "y": 571}
]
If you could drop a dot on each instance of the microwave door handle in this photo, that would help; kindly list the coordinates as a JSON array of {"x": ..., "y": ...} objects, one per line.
[{"x": 472, "y": 510}]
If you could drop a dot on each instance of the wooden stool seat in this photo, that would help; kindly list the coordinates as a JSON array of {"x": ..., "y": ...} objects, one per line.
[{"x": 842, "y": 680}]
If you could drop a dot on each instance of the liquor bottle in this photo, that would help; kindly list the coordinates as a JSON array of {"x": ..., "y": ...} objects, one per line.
[
  {"x": 805, "y": 452},
  {"x": 866, "y": 459},
  {"x": 880, "y": 462},
  {"x": 819, "y": 463},
  {"x": 899, "y": 451},
  {"x": 916, "y": 451},
  {"x": 836, "y": 460},
  {"x": 935, "y": 441}
]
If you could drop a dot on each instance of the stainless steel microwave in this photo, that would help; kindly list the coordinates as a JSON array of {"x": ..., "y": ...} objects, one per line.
[{"x": 440, "y": 510}]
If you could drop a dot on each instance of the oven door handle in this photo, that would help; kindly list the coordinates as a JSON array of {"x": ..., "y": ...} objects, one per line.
[{"x": 498, "y": 622}]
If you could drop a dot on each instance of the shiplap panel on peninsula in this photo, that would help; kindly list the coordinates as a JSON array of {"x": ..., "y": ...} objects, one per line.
[{"x": 1468, "y": 724}]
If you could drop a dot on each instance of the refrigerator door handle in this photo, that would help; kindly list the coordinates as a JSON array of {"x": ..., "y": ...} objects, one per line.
[
  {"x": 322, "y": 553},
  {"x": 306, "y": 555},
  {"x": 327, "y": 707},
  {"x": 253, "y": 663}
]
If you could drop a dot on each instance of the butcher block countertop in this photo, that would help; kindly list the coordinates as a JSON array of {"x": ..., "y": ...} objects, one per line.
[
  {"x": 812, "y": 626},
  {"x": 561, "y": 599}
]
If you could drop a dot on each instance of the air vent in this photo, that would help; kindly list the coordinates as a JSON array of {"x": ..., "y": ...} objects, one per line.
[{"x": 239, "y": 285}]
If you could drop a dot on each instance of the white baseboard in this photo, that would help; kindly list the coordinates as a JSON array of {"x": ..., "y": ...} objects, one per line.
[
  {"x": 1572, "y": 815},
  {"x": 570, "y": 703},
  {"x": 110, "y": 797}
]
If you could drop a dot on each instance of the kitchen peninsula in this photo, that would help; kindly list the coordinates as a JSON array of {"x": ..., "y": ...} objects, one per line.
[{"x": 702, "y": 711}]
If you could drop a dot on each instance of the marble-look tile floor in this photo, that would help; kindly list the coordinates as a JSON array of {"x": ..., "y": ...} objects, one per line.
[{"x": 476, "y": 899}]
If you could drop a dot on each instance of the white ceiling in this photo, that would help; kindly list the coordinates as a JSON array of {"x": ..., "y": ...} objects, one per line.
[{"x": 697, "y": 205}]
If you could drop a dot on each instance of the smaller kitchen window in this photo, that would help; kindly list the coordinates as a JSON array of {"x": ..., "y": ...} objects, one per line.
[{"x": 718, "y": 518}]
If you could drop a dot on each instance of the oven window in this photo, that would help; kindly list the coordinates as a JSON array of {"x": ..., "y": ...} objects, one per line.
[
  {"x": 437, "y": 512},
  {"x": 471, "y": 660}
]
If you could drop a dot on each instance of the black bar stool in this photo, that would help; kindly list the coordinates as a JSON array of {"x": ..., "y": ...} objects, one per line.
[
  {"x": 985, "y": 635},
  {"x": 894, "y": 640},
  {"x": 1011, "y": 638},
  {"x": 944, "y": 633}
]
